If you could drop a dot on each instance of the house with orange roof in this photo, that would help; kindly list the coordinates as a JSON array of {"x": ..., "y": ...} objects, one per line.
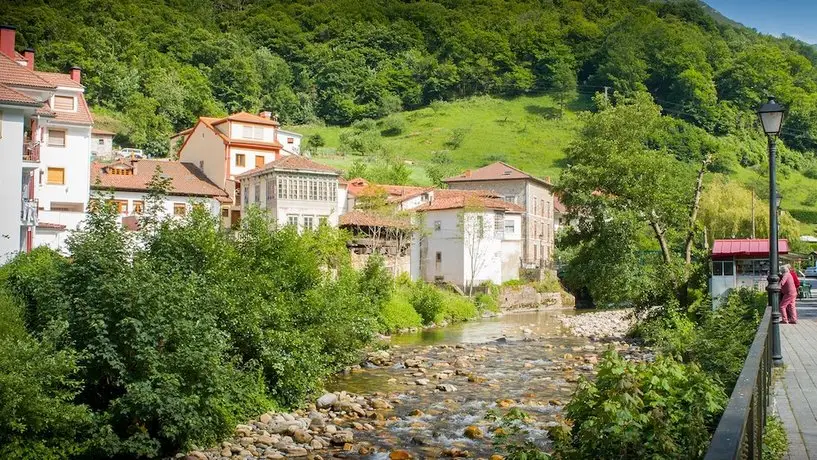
[
  {"x": 45, "y": 119},
  {"x": 227, "y": 147},
  {"x": 467, "y": 238},
  {"x": 128, "y": 183},
  {"x": 295, "y": 191},
  {"x": 533, "y": 194}
]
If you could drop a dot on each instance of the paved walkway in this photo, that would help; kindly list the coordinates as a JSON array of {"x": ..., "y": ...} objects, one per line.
[{"x": 795, "y": 397}]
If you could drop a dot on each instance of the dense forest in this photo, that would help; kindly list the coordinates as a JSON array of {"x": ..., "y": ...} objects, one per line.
[{"x": 151, "y": 67}]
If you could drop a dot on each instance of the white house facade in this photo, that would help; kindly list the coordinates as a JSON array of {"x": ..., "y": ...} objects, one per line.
[
  {"x": 290, "y": 141},
  {"x": 295, "y": 191},
  {"x": 46, "y": 119},
  {"x": 466, "y": 239}
]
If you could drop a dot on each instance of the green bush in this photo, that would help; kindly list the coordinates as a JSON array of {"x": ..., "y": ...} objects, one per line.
[
  {"x": 427, "y": 300},
  {"x": 514, "y": 283},
  {"x": 38, "y": 418},
  {"x": 456, "y": 308},
  {"x": 487, "y": 302},
  {"x": 398, "y": 313},
  {"x": 392, "y": 126},
  {"x": 549, "y": 284},
  {"x": 662, "y": 409}
]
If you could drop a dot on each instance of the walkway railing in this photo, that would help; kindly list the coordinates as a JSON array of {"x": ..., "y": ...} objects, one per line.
[{"x": 740, "y": 432}]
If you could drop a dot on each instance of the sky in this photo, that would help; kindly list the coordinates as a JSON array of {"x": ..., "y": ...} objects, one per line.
[{"x": 796, "y": 18}]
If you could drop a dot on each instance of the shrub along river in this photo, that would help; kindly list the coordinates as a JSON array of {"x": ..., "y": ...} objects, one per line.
[{"x": 429, "y": 393}]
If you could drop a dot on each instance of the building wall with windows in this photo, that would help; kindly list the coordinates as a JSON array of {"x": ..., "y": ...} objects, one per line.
[
  {"x": 295, "y": 198},
  {"x": 131, "y": 203},
  {"x": 450, "y": 240},
  {"x": 291, "y": 141},
  {"x": 63, "y": 178},
  {"x": 11, "y": 181}
]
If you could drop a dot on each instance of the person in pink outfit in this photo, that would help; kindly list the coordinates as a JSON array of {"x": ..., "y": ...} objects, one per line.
[{"x": 788, "y": 295}]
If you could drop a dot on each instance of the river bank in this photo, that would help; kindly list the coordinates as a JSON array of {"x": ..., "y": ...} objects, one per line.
[{"x": 427, "y": 396}]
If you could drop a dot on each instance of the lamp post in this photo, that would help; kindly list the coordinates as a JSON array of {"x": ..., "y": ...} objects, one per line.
[{"x": 771, "y": 117}]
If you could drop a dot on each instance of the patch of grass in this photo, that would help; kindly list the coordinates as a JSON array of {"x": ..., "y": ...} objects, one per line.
[
  {"x": 398, "y": 313},
  {"x": 775, "y": 440}
]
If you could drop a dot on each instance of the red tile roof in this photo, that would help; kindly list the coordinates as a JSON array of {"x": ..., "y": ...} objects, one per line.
[
  {"x": 359, "y": 186},
  {"x": 58, "y": 79},
  {"x": 558, "y": 206},
  {"x": 102, "y": 132},
  {"x": 495, "y": 171},
  {"x": 50, "y": 226},
  {"x": 12, "y": 73},
  {"x": 291, "y": 163},
  {"x": 365, "y": 219},
  {"x": 745, "y": 248},
  {"x": 248, "y": 118},
  {"x": 186, "y": 178},
  {"x": 11, "y": 96},
  {"x": 468, "y": 200}
]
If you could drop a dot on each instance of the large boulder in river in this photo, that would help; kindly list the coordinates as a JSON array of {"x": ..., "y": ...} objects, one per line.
[
  {"x": 473, "y": 432},
  {"x": 326, "y": 400}
]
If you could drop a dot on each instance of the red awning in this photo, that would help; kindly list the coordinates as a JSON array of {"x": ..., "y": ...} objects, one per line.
[{"x": 726, "y": 249}]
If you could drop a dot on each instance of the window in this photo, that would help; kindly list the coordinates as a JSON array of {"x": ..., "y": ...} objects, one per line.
[
  {"x": 121, "y": 206},
  {"x": 309, "y": 222},
  {"x": 240, "y": 159},
  {"x": 257, "y": 192},
  {"x": 67, "y": 206},
  {"x": 246, "y": 195},
  {"x": 64, "y": 103},
  {"x": 292, "y": 219},
  {"x": 259, "y": 161},
  {"x": 535, "y": 203},
  {"x": 290, "y": 140},
  {"x": 252, "y": 132},
  {"x": 313, "y": 189},
  {"x": 179, "y": 209},
  {"x": 56, "y": 138},
  {"x": 438, "y": 225},
  {"x": 722, "y": 268},
  {"x": 100, "y": 141},
  {"x": 225, "y": 212},
  {"x": 56, "y": 176},
  {"x": 510, "y": 198},
  {"x": 535, "y": 251},
  {"x": 138, "y": 206},
  {"x": 269, "y": 184},
  {"x": 510, "y": 226},
  {"x": 438, "y": 257},
  {"x": 499, "y": 220}
]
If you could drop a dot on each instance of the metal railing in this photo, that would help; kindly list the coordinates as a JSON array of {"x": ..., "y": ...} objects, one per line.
[
  {"x": 740, "y": 431},
  {"x": 29, "y": 212}
]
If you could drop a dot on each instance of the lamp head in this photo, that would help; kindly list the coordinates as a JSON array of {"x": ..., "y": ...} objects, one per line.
[{"x": 771, "y": 117}]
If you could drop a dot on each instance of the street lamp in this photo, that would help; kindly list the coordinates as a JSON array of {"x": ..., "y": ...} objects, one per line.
[{"x": 771, "y": 117}]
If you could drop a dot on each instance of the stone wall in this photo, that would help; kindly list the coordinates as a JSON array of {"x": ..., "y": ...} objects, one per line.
[
  {"x": 401, "y": 265},
  {"x": 525, "y": 298}
]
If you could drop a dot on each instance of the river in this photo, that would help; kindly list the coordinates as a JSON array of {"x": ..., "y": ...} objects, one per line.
[{"x": 523, "y": 360}]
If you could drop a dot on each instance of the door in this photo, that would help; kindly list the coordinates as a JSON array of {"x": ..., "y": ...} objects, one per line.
[{"x": 235, "y": 218}]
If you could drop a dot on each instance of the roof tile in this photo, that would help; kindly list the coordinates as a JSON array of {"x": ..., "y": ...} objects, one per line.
[
  {"x": 186, "y": 178},
  {"x": 495, "y": 171},
  {"x": 12, "y": 73},
  {"x": 291, "y": 163}
]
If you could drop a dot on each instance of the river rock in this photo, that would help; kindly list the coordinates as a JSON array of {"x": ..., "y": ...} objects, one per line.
[
  {"x": 326, "y": 400},
  {"x": 446, "y": 387},
  {"x": 330, "y": 429},
  {"x": 342, "y": 437},
  {"x": 378, "y": 403},
  {"x": 301, "y": 436},
  {"x": 504, "y": 403},
  {"x": 400, "y": 455},
  {"x": 267, "y": 440},
  {"x": 296, "y": 451},
  {"x": 421, "y": 381},
  {"x": 473, "y": 432}
]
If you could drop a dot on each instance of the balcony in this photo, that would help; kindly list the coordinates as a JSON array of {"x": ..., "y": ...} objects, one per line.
[
  {"x": 31, "y": 154},
  {"x": 29, "y": 212}
]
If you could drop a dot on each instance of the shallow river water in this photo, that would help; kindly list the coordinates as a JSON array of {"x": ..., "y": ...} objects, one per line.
[{"x": 523, "y": 360}]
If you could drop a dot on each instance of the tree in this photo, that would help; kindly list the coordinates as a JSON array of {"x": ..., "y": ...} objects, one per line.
[
  {"x": 563, "y": 83},
  {"x": 313, "y": 143},
  {"x": 618, "y": 173},
  {"x": 473, "y": 231}
]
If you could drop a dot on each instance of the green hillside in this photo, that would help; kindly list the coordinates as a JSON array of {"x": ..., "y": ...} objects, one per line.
[{"x": 526, "y": 132}]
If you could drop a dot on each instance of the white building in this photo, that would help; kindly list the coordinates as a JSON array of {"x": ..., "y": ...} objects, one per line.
[
  {"x": 127, "y": 181},
  {"x": 740, "y": 263},
  {"x": 291, "y": 141},
  {"x": 295, "y": 191},
  {"x": 46, "y": 119},
  {"x": 102, "y": 144},
  {"x": 466, "y": 238},
  {"x": 225, "y": 148}
]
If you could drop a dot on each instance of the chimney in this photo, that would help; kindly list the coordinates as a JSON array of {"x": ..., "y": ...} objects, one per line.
[
  {"x": 76, "y": 74},
  {"x": 265, "y": 114},
  {"x": 7, "y": 40},
  {"x": 28, "y": 54}
]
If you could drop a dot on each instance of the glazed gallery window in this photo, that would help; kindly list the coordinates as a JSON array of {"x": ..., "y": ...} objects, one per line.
[{"x": 305, "y": 187}]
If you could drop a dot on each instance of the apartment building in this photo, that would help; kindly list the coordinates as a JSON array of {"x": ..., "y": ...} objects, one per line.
[{"x": 46, "y": 128}]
